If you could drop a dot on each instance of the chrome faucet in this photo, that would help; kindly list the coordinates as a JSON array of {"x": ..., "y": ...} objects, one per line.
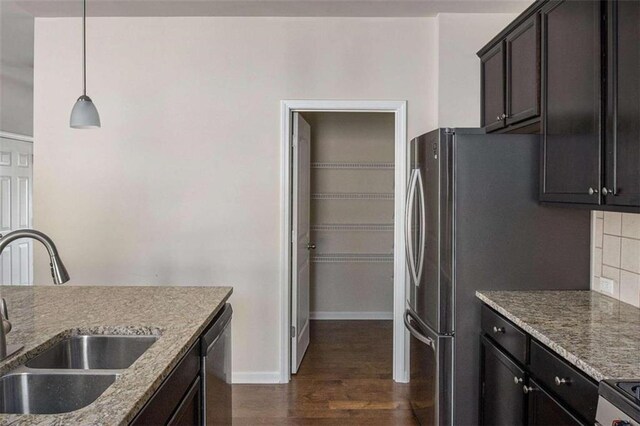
[{"x": 58, "y": 272}]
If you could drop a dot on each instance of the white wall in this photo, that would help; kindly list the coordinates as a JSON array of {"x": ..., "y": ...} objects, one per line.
[
  {"x": 181, "y": 184},
  {"x": 16, "y": 69},
  {"x": 460, "y": 36}
]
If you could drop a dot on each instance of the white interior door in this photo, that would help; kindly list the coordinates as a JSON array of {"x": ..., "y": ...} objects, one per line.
[
  {"x": 16, "y": 181},
  {"x": 301, "y": 242}
]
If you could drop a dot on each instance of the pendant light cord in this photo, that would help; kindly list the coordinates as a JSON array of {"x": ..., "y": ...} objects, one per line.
[{"x": 84, "y": 47}]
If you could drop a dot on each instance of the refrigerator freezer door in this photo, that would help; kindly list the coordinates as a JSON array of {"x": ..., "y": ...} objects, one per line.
[
  {"x": 433, "y": 298},
  {"x": 430, "y": 385}
]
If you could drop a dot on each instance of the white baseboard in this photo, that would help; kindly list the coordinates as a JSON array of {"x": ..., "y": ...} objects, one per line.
[
  {"x": 351, "y": 315},
  {"x": 255, "y": 377}
]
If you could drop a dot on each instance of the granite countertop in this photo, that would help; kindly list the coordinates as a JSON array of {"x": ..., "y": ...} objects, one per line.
[
  {"x": 597, "y": 334},
  {"x": 43, "y": 315}
]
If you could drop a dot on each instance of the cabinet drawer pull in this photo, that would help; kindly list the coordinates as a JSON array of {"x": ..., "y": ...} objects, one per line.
[
  {"x": 526, "y": 389},
  {"x": 606, "y": 191},
  {"x": 498, "y": 330},
  {"x": 563, "y": 381},
  {"x": 592, "y": 191},
  {"x": 517, "y": 380}
]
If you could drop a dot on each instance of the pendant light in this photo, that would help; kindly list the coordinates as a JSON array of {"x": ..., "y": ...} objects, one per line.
[{"x": 84, "y": 114}]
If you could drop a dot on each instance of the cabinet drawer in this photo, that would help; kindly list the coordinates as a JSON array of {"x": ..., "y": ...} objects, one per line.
[
  {"x": 577, "y": 390},
  {"x": 505, "y": 333}
]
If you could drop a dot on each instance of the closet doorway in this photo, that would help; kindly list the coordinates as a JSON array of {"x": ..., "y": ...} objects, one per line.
[{"x": 343, "y": 202}]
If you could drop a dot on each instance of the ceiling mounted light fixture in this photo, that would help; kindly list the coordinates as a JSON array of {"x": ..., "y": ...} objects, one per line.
[{"x": 84, "y": 114}]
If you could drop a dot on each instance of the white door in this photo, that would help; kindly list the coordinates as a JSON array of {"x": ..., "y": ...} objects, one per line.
[
  {"x": 16, "y": 180},
  {"x": 301, "y": 243}
]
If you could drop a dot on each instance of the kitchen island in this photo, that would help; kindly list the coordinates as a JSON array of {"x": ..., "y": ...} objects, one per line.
[{"x": 44, "y": 315}]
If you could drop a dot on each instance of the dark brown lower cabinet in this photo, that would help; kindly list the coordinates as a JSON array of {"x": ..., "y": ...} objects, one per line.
[
  {"x": 544, "y": 410},
  {"x": 538, "y": 388},
  {"x": 180, "y": 399},
  {"x": 189, "y": 412},
  {"x": 177, "y": 401},
  {"x": 502, "y": 388}
]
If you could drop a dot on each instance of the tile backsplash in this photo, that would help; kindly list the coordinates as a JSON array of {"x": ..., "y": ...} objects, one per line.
[{"x": 615, "y": 255}]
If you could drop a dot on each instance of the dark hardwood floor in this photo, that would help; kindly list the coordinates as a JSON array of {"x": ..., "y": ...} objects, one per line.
[{"x": 345, "y": 379}]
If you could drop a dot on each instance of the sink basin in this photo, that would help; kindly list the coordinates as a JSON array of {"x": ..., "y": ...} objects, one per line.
[
  {"x": 102, "y": 352},
  {"x": 38, "y": 393}
]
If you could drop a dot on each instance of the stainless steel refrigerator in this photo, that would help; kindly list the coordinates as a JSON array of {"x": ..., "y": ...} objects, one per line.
[{"x": 474, "y": 222}]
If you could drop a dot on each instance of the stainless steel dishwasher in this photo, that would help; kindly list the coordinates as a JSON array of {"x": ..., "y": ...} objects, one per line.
[{"x": 216, "y": 370}]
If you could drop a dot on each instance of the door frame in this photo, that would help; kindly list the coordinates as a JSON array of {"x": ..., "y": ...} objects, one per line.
[{"x": 399, "y": 108}]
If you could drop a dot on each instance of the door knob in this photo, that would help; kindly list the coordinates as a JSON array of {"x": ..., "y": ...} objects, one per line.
[
  {"x": 606, "y": 191},
  {"x": 498, "y": 330},
  {"x": 563, "y": 381},
  {"x": 517, "y": 380},
  {"x": 311, "y": 246},
  {"x": 503, "y": 116},
  {"x": 527, "y": 389},
  {"x": 592, "y": 191}
]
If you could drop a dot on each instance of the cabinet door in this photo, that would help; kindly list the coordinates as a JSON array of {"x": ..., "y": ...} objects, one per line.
[
  {"x": 571, "y": 101},
  {"x": 523, "y": 72},
  {"x": 492, "y": 77},
  {"x": 189, "y": 412},
  {"x": 546, "y": 411},
  {"x": 622, "y": 168},
  {"x": 502, "y": 399}
]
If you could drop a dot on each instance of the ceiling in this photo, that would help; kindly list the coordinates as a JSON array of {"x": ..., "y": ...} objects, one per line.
[{"x": 309, "y": 8}]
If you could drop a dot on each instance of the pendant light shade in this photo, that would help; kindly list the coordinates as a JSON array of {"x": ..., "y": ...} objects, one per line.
[{"x": 84, "y": 114}]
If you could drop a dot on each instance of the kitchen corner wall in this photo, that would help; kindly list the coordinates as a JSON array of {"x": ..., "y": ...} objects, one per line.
[
  {"x": 615, "y": 254},
  {"x": 181, "y": 185}
]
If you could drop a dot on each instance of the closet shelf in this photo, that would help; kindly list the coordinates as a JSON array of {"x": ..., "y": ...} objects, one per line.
[
  {"x": 352, "y": 166},
  {"x": 352, "y": 196},
  {"x": 352, "y": 258},
  {"x": 353, "y": 227}
]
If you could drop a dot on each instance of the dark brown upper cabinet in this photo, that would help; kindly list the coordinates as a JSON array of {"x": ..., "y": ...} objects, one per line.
[
  {"x": 492, "y": 76},
  {"x": 622, "y": 147},
  {"x": 523, "y": 72},
  {"x": 510, "y": 77},
  {"x": 570, "y": 73},
  {"x": 571, "y": 101}
]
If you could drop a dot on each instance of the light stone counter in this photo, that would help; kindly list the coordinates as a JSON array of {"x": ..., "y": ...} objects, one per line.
[
  {"x": 43, "y": 315},
  {"x": 597, "y": 334}
]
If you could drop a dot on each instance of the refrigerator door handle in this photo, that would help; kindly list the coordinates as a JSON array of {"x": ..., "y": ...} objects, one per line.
[
  {"x": 423, "y": 226},
  {"x": 415, "y": 333},
  {"x": 408, "y": 219}
]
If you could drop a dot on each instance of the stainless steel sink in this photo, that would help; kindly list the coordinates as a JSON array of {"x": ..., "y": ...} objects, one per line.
[
  {"x": 96, "y": 352},
  {"x": 42, "y": 393}
]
